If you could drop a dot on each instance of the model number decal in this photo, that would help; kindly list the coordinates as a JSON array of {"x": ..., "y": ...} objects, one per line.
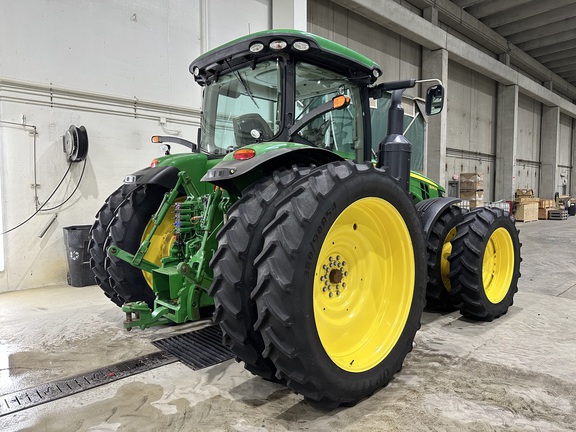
[{"x": 308, "y": 267}]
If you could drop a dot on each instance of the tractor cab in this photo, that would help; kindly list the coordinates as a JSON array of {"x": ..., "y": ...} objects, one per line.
[{"x": 285, "y": 86}]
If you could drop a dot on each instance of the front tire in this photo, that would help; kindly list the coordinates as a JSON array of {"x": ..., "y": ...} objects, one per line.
[
  {"x": 341, "y": 283},
  {"x": 485, "y": 264}
]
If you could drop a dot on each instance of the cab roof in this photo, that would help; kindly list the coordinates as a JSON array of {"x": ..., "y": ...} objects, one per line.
[{"x": 320, "y": 51}]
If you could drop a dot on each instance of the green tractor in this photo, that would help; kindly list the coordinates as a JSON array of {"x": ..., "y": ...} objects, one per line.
[{"x": 314, "y": 252}]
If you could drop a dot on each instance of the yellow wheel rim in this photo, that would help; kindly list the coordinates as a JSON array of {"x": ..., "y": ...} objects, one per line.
[
  {"x": 161, "y": 241},
  {"x": 363, "y": 284},
  {"x": 498, "y": 265},
  {"x": 444, "y": 263}
]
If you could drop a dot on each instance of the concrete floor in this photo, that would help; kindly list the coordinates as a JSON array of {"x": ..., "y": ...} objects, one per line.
[{"x": 517, "y": 373}]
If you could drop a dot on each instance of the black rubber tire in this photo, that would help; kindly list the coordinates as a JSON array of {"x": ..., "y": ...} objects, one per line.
[
  {"x": 239, "y": 243},
  {"x": 286, "y": 275},
  {"x": 98, "y": 236},
  {"x": 466, "y": 263},
  {"x": 125, "y": 231},
  {"x": 437, "y": 297}
]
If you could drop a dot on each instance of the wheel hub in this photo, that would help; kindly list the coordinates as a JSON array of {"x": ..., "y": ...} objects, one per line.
[{"x": 333, "y": 276}]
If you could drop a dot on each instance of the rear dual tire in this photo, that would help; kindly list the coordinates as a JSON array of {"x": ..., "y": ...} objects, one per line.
[
  {"x": 123, "y": 221},
  {"x": 439, "y": 248},
  {"x": 240, "y": 241},
  {"x": 98, "y": 236},
  {"x": 337, "y": 345}
]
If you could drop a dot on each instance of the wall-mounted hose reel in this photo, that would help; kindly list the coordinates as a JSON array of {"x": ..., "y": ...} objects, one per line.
[{"x": 75, "y": 143}]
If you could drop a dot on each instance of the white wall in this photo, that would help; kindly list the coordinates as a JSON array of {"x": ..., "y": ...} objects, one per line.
[{"x": 127, "y": 64}]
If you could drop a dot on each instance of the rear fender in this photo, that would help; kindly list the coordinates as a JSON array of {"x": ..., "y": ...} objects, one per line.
[
  {"x": 431, "y": 209},
  {"x": 165, "y": 176},
  {"x": 165, "y": 171},
  {"x": 235, "y": 175}
]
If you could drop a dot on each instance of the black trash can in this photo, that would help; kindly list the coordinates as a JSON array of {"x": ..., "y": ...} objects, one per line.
[
  {"x": 572, "y": 209},
  {"x": 76, "y": 238}
]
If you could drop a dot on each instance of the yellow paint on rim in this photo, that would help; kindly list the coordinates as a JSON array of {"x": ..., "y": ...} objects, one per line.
[
  {"x": 161, "y": 241},
  {"x": 364, "y": 284},
  {"x": 444, "y": 263},
  {"x": 498, "y": 265}
]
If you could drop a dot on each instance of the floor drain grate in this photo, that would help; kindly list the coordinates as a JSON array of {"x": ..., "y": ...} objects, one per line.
[
  {"x": 198, "y": 349},
  {"x": 28, "y": 398}
]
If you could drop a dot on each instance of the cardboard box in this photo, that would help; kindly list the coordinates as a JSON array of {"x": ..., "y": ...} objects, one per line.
[
  {"x": 546, "y": 203},
  {"x": 527, "y": 212},
  {"x": 526, "y": 200},
  {"x": 472, "y": 195},
  {"x": 543, "y": 213},
  {"x": 471, "y": 181}
]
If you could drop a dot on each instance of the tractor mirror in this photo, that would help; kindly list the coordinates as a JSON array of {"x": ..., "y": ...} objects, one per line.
[{"x": 434, "y": 100}]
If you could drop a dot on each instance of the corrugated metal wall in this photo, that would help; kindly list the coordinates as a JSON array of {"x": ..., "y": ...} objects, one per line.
[
  {"x": 470, "y": 145},
  {"x": 528, "y": 150}
]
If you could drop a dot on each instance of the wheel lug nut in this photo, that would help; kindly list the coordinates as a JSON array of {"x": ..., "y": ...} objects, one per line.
[
  {"x": 326, "y": 283},
  {"x": 322, "y": 278},
  {"x": 345, "y": 273},
  {"x": 337, "y": 293},
  {"x": 330, "y": 294},
  {"x": 324, "y": 289},
  {"x": 330, "y": 259},
  {"x": 343, "y": 285},
  {"x": 337, "y": 286},
  {"x": 343, "y": 263},
  {"x": 337, "y": 257},
  {"x": 325, "y": 267}
]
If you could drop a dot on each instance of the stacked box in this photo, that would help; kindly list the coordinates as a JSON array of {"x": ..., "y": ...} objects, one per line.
[
  {"x": 544, "y": 213},
  {"x": 546, "y": 203},
  {"x": 527, "y": 212},
  {"x": 472, "y": 188},
  {"x": 471, "y": 181},
  {"x": 544, "y": 208}
]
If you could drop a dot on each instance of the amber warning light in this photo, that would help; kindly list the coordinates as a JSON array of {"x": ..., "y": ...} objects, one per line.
[{"x": 340, "y": 101}]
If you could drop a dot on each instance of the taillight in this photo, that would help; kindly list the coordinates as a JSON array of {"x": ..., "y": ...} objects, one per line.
[
  {"x": 154, "y": 163},
  {"x": 244, "y": 154}
]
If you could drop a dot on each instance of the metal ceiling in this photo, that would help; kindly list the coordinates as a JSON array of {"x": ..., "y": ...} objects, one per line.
[{"x": 544, "y": 29}]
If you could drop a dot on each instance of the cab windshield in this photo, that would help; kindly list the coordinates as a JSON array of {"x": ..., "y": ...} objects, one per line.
[
  {"x": 241, "y": 108},
  {"x": 244, "y": 106},
  {"x": 336, "y": 130}
]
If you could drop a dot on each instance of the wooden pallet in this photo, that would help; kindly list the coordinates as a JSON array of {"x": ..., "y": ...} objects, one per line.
[{"x": 558, "y": 214}]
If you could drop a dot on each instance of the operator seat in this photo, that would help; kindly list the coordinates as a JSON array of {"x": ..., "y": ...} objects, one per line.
[{"x": 243, "y": 126}]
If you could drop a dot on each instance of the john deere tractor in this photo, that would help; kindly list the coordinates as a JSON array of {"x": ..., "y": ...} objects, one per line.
[{"x": 315, "y": 252}]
